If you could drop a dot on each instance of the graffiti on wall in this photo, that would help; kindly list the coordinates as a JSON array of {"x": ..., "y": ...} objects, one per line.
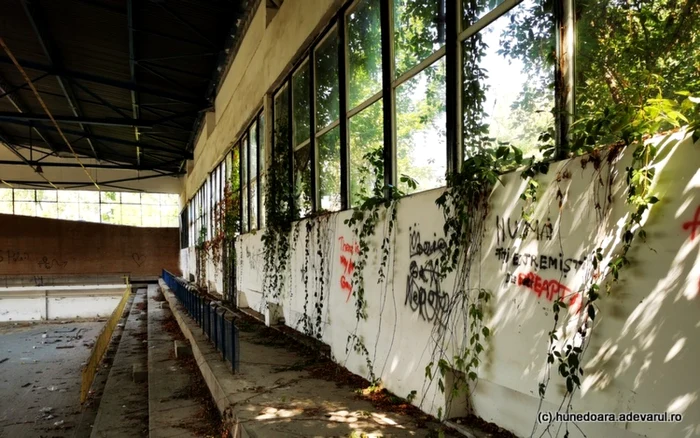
[
  {"x": 539, "y": 261},
  {"x": 505, "y": 226},
  {"x": 13, "y": 256},
  {"x": 693, "y": 225},
  {"x": 45, "y": 263},
  {"x": 139, "y": 259},
  {"x": 549, "y": 288},
  {"x": 532, "y": 278},
  {"x": 347, "y": 251},
  {"x": 424, "y": 292}
]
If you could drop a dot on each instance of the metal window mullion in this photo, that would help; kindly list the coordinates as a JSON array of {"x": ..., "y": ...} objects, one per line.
[
  {"x": 413, "y": 71},
  {"x": 343, "y": 102},
  {"x": 364, "y": 105},
  {"x": 257, "y": 169},
  {"x": 315, "y": 195},
  {"x": 387, "y": 37},
  {"x": 241, "y": 192},
  {"x": 327, "y": 128},
  {"x": 290, "y": 142},
  {"x": 564, "y": 73},
  {"x": 452, "y": 85},
  {"x": 489, "y": 18}
]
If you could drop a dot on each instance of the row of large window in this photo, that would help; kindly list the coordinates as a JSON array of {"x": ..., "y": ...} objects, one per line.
[
  {"x": 241, "y": 172},
  {"x": 417, "y": 86},
  {"x": 332, "y": 110},
  {"x": 120, "y": 208}
]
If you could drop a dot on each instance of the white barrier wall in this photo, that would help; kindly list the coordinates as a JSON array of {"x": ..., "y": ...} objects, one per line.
[
  {"x": 643, "y": 352},
  {"x": 58, "y": 302}
]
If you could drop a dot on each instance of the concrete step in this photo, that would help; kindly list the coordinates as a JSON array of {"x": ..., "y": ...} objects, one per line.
[
  {"x": 123, "y": 410},
  {"x": 172, "y": 409}
]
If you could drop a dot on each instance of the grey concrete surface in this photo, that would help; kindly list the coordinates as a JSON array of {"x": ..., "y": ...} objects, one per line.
[
  {"x": 170, "y": 408},
  {"x": 123, "y": 409},
  {"x": 273, "y": 395},
  {"x": 41, "y": 376}
]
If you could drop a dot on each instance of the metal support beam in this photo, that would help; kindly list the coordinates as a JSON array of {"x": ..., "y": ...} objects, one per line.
[
  {"x": 31, "y": 65},
  {"x": 387, "y": 93},
  {"x": 135, "y": 112},
  {"x": 39, "y": 24},
  {"x": 46, "y": 164},
  {"x": 20, "y": 107},
  {"x": 180, "y": 152},
  {"x": 108, "y": 121}
]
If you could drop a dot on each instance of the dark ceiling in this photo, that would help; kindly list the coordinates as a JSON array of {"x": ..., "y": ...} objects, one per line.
[{"x": 118, "y": 76}]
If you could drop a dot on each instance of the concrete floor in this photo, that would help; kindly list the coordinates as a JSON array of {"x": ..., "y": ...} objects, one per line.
[{"x": 38, "y": 375}]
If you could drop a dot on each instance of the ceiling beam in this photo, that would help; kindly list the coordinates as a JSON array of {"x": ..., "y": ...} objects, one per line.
[
  {"x": 21, "y": 108},
  {"x": 135, "y": 110},
  {"x": 76, "y": 165},
  {"x": 107, "y": 121},
  {"x": 125, "y": 85},
  {"x": 38, "y": 21},
  {"x": 173, "y": 150}
]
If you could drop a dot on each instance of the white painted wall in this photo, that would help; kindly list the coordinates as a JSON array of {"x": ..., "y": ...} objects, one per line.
[
  {"x": 61, "y": 302},
  {"x": 644, "y": 350}
]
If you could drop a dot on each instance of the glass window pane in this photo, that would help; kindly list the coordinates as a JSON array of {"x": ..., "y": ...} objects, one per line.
[
  {"x": 302, "y": 108},
  {"x": 6, "y": 207},
  {"x": 167, "y": 214},
  {"x": 366, "y": 137},
  {"x": 244, "y": 160},
  {"x": 131, "y": 215},
  {"x": 302, "y": 181},
  {"x": 263, "y": 169},
  {"x": 253, "y": 151},
  {"x": 46, "y": 195},
  {"x": 329, "y": 169},
  {"x": 86, "y": 196},
  {"x": 68, "y": 210},
  {"x": 253, "y": 205},
  {"x": 150, "y": 198},
  {"x": 421, "y": 142},
  {"x": 5, "y": 194},
  {"x": 419, "y": 30},
  {"x": 474, "y": 10},
  {"x": 68, "y": 196},
  {"x": 24, "y": 195},
  {"x": 508, "y": 94},
  {"x": 110, "y": 197},
  {"x": 150, "y": 215},
  {"x": 25, "y": 208},
  {"x": 327, "y": 95},
  {"x": 131, "y": 198},
  {"x": 90, "y": 212},
  {"x": 47, "y": 209},
  {"x": 244, "y": 205},
  {"x": 364, "y": 52},
  {"x": 111, "y": 213}
]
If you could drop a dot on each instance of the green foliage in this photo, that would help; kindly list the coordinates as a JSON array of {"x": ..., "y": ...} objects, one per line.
[{"x": 279, "y": 208}]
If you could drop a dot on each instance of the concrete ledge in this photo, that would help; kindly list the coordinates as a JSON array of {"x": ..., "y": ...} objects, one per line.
[
  {"x": 182, "y": 349},
  {"x": 215, "y": 371},
  {"x": 139, "y": 373}
]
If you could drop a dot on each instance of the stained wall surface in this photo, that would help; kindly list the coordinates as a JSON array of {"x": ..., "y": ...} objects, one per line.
[
  {"x": 39, "y": 246},
  {"x": 642, "y": 347}
]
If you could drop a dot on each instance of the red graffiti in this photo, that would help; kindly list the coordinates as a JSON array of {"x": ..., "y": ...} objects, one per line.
[
  {"x": 349, "y": 248},
  {"x": 551, "y": 289},
  {"x": 694, "y": 224},
  {"x": 346, "y": 286},
  {"x": 348, "y": 265}
]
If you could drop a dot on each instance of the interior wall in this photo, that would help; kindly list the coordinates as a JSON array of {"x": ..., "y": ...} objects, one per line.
[
  {"x": 643, "y": 352},
  {"x": 38, "y": 246},
  {"x": 265, "y": 54}
]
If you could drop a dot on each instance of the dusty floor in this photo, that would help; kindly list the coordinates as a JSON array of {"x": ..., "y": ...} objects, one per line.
[{"x": 40, "y": 378}]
